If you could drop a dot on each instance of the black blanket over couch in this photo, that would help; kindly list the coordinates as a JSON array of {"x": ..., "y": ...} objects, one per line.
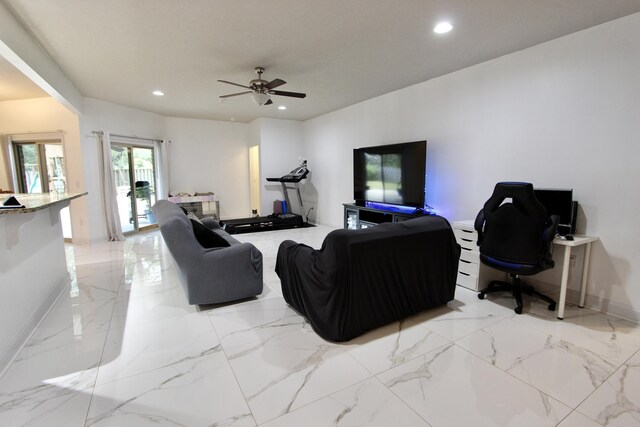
[{"x": 362, "y": 279}]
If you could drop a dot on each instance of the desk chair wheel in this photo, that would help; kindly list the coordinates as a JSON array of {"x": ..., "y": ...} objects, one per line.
[
  {"x": 552, "y": 306},
  {"x": 518, "y": 310},
  {"x": 481, "y": 295}
]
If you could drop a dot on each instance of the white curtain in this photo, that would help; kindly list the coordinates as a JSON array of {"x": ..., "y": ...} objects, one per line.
[
  {"x": 5, "y": 167},
  {"x": 161, "y": 155},
  {"x": 109, "y": 191}
]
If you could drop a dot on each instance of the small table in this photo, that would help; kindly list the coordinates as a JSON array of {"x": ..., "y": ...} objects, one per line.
[{"x": 578, "y": 240}]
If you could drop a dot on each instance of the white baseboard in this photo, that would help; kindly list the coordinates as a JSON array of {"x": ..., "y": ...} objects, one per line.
[
  {"x": 610, "y": 307},
  {"x": 8, "y": 353},
  {"x": 591, "y": 301}
]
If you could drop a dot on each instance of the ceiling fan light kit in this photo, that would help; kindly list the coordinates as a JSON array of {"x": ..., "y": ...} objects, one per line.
[
  {"x": 260, "y": 90},
  {"x": 260, "y": 98}
]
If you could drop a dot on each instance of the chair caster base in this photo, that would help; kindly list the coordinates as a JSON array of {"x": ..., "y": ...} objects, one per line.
[
  {"x": 481, "y": 295},
  {"x": 518, "y": 310}
]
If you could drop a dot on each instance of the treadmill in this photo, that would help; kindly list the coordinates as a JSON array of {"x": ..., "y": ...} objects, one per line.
[{"x": 282, "y": 221}]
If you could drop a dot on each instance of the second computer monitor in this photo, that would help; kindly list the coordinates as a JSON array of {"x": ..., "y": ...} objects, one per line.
[{"x": 559, "y": 202}]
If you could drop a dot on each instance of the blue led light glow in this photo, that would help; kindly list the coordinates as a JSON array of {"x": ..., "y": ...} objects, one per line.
[{"x": 400, "y": 209}]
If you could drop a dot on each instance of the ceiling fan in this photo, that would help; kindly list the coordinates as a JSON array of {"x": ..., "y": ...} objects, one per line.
[{"x": 260, "y": 90}]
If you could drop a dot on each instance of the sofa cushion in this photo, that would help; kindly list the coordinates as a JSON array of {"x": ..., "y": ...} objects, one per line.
[{"x": 208, "y": 238}]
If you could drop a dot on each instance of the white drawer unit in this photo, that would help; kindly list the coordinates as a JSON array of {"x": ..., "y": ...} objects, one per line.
[{"x": 472, "y": 274}]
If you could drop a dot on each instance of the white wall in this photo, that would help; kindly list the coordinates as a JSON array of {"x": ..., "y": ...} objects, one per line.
[
  {"x": 207, "y": 155},
  {"x": 281, "y": 146},
  {"x": 47, "y": 115},
  {"x": 105, "y": 116},
  {"x": 562, "y": 114}
]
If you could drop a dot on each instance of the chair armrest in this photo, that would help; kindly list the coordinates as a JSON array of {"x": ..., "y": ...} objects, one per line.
[
  {"x": 548, "y": 235},
  {"x": 224, "y": 274},
  {"x": 479, "y": 225},
  {"x": 550, "y": 228},
  {"x": 216, "y": 258}
]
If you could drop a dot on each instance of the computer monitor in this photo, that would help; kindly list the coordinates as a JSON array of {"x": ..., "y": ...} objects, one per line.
[{"x": 559, "y": 202}]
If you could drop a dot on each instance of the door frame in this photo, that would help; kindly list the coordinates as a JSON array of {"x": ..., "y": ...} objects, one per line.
[
  {"x": 38, "y": 139},
  {"x": 129, "y": 145},
  {"x": 55, "y": 137},
  {"x": 43, "y": 171}
]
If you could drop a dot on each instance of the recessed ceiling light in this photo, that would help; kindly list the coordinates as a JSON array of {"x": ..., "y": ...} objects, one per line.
[
  {"x": 282, "y": 107},
  {"x": 442, "y": 27},
  {"x": 158, "y": 93}
]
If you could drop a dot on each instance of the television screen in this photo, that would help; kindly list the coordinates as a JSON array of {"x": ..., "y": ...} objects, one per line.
[{"x": 392, "y": 174}]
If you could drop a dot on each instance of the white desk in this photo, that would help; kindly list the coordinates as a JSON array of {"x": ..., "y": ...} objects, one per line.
[{"x": 578, "y": 240}]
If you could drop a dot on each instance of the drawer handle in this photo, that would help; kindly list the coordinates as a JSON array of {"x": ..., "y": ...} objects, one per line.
[
  {"x": 465, "y": 249},
  {"x": 463, "y": 273},
  {"x": 466, "y": 240},
  {"x": 466, "y": 262},
  {"x": 466, "y": 231}
]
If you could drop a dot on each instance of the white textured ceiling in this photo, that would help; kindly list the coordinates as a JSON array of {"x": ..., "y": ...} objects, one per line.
[{"x": 339, "y": 52}]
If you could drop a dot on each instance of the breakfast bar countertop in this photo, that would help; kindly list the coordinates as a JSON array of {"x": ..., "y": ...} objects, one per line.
[{"x": 37, "y": 201}]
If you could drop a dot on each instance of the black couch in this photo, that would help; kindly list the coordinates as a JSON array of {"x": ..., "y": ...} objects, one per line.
[{"x": 362, "y": 279}]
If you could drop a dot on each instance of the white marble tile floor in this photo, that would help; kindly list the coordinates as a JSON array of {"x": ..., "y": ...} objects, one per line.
[{"x": 122, "y": 347}]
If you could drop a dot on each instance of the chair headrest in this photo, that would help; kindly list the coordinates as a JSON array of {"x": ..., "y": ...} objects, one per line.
[{"x": 521, "y": 194}]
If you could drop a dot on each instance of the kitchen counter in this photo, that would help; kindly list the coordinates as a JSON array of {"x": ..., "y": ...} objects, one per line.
[
  {"x": 37, "y": 201},
  {"x": 33, "y": 265}
]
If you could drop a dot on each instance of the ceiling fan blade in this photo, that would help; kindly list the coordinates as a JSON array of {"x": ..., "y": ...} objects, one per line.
[
  {"x": 269, "y": 102},
  {"x": 235, "y": 84},
  {"x": 235, "y": 94},
  {"x": 275, "y": 83},
  {"x": 284, "y": 93}
]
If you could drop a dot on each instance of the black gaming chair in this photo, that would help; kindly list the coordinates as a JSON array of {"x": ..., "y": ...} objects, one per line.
[{"x": 515, "y": 235}]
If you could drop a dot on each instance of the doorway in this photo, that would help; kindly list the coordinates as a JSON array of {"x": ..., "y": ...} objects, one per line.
[
  {"x": 254, "y": 177},
  {"x": 134, "y": 172}
]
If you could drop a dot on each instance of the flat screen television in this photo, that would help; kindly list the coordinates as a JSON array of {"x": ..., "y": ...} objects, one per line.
[{"x": 390, "y": 174}]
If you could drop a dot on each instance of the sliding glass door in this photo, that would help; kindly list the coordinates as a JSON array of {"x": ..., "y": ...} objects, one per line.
[
  {"x": 40, "y": 167},
  {"x": 134, "y": 171}
]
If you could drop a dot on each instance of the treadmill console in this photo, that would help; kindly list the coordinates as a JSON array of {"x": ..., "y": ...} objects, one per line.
[{"x": 296, "y": 175}]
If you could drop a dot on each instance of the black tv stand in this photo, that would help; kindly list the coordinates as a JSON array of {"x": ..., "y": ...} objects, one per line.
[{"x": 356, "y": 217}]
